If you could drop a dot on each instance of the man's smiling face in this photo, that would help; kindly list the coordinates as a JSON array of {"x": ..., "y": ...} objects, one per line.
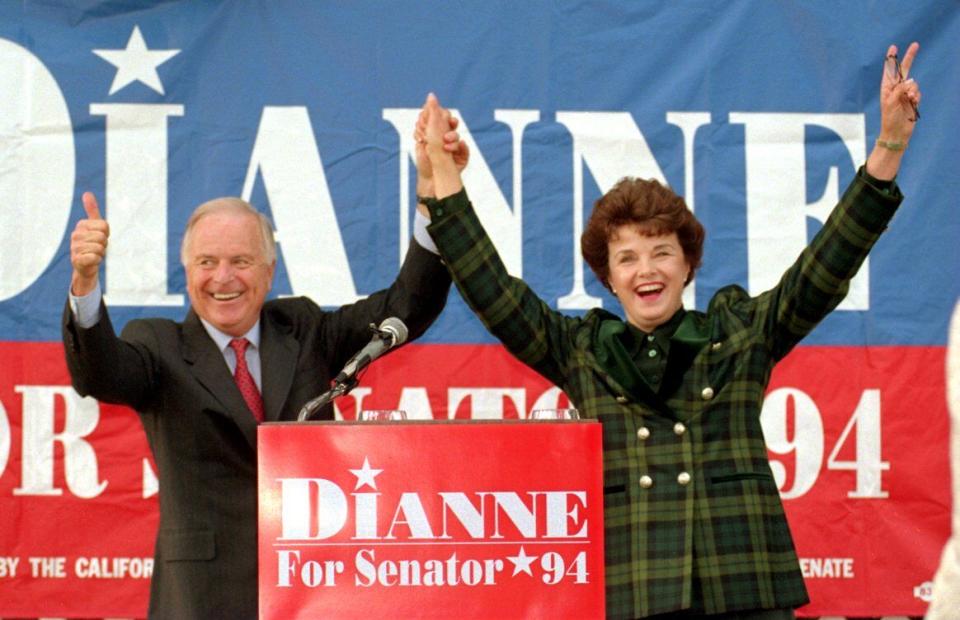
[{"x": 228, "y": 276}]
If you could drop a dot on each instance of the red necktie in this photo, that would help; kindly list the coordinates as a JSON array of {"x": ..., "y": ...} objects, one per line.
[{"x": 245, "y": 380}]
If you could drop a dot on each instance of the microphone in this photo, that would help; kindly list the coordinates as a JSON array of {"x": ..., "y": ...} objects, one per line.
[{"x": 392, "y": 332}]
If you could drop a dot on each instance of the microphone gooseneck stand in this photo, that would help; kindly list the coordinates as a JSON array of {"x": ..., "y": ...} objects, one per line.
[
  {"x": 313, "y": 407},
  {"x": 391, "y": 333}
]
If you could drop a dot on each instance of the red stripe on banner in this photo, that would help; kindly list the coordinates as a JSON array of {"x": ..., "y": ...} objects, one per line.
[
  {"x": 869, "y": 536},
  {"x": 858, "y": 440},
  {"x": 75, "y": 544}
]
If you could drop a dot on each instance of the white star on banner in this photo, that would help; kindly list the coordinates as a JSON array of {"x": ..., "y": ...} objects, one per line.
[
  {"x": 365, "y": 475},
  {"x": 136, "y": 63},
  {"x": 521, "y": 563}
]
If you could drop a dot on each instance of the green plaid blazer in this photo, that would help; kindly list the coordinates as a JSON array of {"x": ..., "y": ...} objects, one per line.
[{"x": 692, "y": 515}]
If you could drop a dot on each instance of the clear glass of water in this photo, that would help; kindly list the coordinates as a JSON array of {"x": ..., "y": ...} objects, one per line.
[
  {"x": 568, "y": 413},
  {"x": 382, "y": 415}
]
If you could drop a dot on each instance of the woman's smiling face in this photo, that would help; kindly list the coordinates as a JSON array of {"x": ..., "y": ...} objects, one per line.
[{"x": 647, "y": 274}]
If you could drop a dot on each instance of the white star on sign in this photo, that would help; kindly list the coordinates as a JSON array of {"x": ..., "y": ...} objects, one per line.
[
  {"x": 365, "y": 475},
  {"x": 136, "y": 63},
  {"x": 521, "y": 563}
]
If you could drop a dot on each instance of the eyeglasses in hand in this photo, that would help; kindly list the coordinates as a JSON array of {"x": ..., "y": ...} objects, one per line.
[{"x": 892, "y": 67}]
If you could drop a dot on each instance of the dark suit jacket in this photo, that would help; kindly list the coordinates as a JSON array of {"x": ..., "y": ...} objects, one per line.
[
  {"x": 202, "y": 435},
  {"x": 692, "y": 514}
]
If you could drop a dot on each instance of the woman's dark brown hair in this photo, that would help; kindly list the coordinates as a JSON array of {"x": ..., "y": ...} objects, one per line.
[{"x": 651, "y": 207}]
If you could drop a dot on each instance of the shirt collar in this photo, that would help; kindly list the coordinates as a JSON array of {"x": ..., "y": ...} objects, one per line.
[
  {"x": 223, "y": 340},
  {"x": 661, "y": 333}
]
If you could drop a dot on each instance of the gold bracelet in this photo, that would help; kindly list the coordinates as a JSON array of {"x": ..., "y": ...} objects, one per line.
[{"x": 893, "y": 146}]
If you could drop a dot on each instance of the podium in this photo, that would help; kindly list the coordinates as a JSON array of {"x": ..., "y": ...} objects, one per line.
[{"x": 465, "y": 519}]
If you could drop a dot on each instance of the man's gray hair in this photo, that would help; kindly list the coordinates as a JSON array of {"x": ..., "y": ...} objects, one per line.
[{"x": 235, "y": 205}]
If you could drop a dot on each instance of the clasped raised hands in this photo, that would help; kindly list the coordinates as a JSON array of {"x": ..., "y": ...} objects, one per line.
[{"x": 438, "y": 147}]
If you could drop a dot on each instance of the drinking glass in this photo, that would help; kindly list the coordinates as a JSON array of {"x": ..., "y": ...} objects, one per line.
[
  {"x": 568, "y": 413},
  {"x": 382, "y": 415}
]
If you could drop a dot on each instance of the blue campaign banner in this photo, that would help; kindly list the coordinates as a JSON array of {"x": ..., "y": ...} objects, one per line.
[{"x": 758, "y": 112}]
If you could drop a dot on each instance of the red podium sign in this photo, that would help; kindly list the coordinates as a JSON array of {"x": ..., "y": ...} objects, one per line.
[{"x": 426, "y": 519}]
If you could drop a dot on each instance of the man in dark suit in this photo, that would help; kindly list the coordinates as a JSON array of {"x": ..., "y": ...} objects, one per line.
[{"x": 197, "y": 385}]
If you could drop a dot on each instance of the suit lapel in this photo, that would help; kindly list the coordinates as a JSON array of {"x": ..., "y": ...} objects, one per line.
[
  {"x": 618, "y": 369},
  {"x": 686, "y": 342},
  {"x": 210, "y": 369},
  {"x": 279, "y": 352}
]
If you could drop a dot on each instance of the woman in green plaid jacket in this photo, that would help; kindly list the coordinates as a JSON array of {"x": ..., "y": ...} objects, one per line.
[{"x": 693, "y": 522}]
